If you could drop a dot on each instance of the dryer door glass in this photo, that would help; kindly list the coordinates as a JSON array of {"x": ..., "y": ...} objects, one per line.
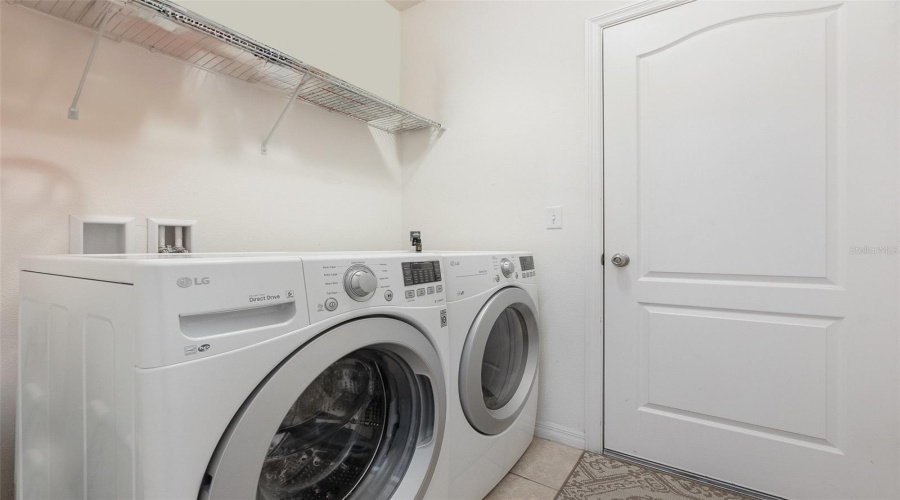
[
  {"x": 499, "y": 361},
  {"x": 350, "y": 434},
  {"x": 505, "y": 354}
]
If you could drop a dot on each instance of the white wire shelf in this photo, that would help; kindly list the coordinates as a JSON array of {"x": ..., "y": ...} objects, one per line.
[{"x": 163, "y": 27}]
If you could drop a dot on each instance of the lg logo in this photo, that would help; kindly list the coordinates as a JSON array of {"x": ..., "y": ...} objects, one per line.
[{"x": 185, "y": 282}]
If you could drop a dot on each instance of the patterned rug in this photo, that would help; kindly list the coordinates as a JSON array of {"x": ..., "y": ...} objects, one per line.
[{"x": 596, "y": 477}]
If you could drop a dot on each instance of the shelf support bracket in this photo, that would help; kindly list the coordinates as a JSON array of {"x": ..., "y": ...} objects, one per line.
[
  {"x": 73, "y": 109},
  {"x": 287, "y": 107}
]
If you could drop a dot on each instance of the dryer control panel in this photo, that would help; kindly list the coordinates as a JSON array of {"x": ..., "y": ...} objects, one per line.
[
  {"x": 471, "y": 273},
  {"x": 336, "y": 285}
]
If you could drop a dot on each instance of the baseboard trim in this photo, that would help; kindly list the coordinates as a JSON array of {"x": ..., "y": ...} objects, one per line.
[{"x": 565, "y": 435}]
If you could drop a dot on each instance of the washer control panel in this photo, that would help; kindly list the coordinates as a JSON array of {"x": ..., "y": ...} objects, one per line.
[
  {"x": 526, "y": 264},
  {"x": 417, "y": 273},
  {"x": 337, "y": 285}
]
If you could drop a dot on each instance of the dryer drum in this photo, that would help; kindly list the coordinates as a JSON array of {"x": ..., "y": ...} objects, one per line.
[
  {"x": 505, "y": 357},
  {"x": 360, "y": 414}
]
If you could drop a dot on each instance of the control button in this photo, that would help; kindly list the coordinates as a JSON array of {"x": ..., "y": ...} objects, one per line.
[
  {"x": 410, "y": 294},
  {"x": 507, "y": 267},
  {"x": 360, "y": 283},
  {"x": 420, "y": 292},
  {"x": 431, "y": 290},
  {"x": 439, "y": 288},
  {"x": 331, "y": 304},
  {"x": 388, "y": 295}
]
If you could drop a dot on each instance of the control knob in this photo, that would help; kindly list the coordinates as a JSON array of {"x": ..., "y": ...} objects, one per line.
[
  {"x": 360, "y": 283},
  {"x": 507, "y": 267}
]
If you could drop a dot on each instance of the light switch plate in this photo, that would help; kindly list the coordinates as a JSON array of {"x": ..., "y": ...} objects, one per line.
[{"x": 554, "y": 217}]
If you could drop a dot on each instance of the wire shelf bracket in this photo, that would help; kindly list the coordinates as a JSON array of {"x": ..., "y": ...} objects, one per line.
[
  {"x": 163, "y": 27},
  {"x": 73, "y": 109},
  {"x": 287, "y": 107}
]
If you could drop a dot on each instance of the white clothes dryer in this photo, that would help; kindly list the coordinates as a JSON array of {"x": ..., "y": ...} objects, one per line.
[
  {"x": 231, "y": 376},
  {"x": 494, "y": 353}
]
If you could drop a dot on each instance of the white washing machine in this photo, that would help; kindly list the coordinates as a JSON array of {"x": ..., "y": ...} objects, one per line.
[
  {"x": 235, "y": 376},
  {"x": 494, "y": 349}
]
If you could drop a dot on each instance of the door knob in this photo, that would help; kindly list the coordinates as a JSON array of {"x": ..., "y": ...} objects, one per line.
[{"x": 620, "y": 260}]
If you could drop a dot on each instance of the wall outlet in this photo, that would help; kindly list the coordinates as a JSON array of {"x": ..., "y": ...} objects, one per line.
[
  {"x": 554, "y": 217},
  {"x": 171, "y": 236}
]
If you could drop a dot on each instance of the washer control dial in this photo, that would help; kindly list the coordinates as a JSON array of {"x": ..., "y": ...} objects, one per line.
[
  {"x": 507, "y": 267},
  {"x": 360, "y": 283}
]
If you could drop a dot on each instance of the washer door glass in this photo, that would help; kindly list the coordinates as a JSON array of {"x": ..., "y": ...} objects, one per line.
[
  {"x": 353, "y": 429},
  {"x": 505, "y": 355}
]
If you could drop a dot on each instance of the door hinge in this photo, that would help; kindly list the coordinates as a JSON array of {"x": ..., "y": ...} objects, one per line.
[{"x": 602, "y": 259}]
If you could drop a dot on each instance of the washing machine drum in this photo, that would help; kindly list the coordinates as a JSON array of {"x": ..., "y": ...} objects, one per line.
[
  {"x": 336, "y": 431},
  {"x": 364, "y": 425}
]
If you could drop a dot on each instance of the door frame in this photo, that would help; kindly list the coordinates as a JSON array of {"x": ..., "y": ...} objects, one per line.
[{"x": 594, "y": 333}]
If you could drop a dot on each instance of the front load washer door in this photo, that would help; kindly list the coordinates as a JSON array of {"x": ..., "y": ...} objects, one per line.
[
  {"x": 499, "y": 361},
  {"x": 357, "y": 413}
]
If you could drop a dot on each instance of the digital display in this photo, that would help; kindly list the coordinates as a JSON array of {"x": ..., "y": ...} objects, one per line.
[
  {"x": 526, "y": 263},
  {"x": 416, "y": 273}
]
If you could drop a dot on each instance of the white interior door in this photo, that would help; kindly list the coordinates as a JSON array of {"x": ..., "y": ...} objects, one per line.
[{"x": 751, "y": 175}]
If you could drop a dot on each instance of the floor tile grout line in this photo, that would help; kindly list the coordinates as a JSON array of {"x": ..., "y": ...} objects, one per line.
[
  {"x": 571, "y": 473},
  {"x": 533, "y": 481}
]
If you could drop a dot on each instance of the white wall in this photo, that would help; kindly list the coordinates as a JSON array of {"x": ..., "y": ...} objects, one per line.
[
  {"x": 357, "y": 41},
  {"x": 507, "y": 80},
  {"x": 160, "y": 138}
]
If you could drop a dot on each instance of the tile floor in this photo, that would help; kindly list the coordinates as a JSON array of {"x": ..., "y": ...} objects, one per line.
[{"x": 549, "y": 471}]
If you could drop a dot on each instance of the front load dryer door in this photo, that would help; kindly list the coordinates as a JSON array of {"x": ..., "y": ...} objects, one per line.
[
  {"x": 356, "y": 413},
  {"x": 499, "y": 361}
]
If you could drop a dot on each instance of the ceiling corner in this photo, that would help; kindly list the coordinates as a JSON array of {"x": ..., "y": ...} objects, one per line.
[{"x": 402, "y": 5}]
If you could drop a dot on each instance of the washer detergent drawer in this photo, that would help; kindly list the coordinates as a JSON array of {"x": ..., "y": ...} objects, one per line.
[
  {"x": 210, "y": 325},
  {"x": 197, "y": 309}
]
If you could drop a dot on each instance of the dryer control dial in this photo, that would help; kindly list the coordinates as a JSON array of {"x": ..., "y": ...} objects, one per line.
[
  {"x": 360, "y": 283},
  {"x": 507, "y": 267}
]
